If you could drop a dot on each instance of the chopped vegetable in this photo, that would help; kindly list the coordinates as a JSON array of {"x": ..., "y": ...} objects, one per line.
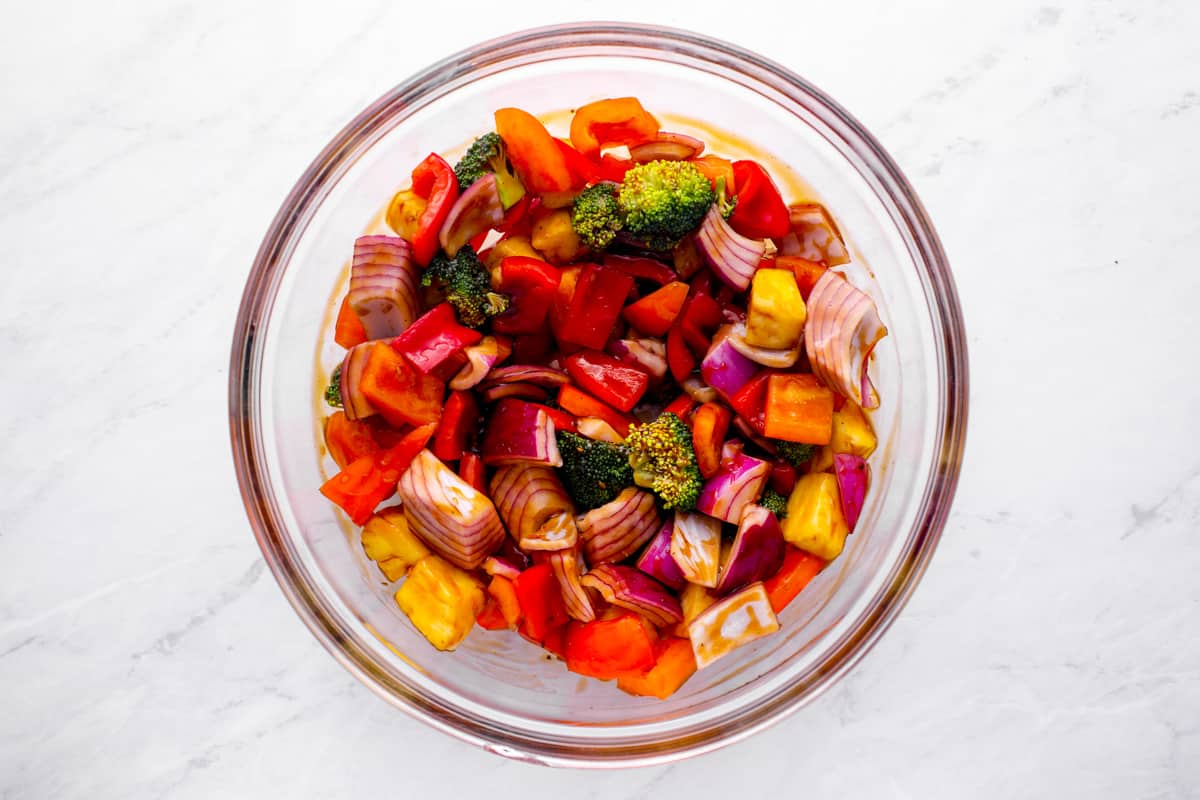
[
  {"x": 814, "y": 516},
  {"x": 347, "y": 439},
  {"x": 775, "y": 315},
  {"x": 756, "y": 554},
  {"x": 533, "y": 151},
  {"x": 696, "y": 547},
  {"x": 619, "y": 120},
  {"x": 434, "y": 338},
  {"x": 647, "y": 355},
  {"x": 481, "y": 358},
  {"x": 767, "y": 357},
  {"x": 532, "y": 285},
  {"x": 387, "y": 541},
  {"x": 852, "y": 475},
  {"x": 441, "y": 600},
  {"x": 798, "y": 570},
  {"x": 795, "y": 453},
  {"x": 733, "y": 257},
  {"x": 725, "y": 369},
  {"x": 774, "y": 502},
  {"x": 348, "y": 330},
  {"x": 799, "y": 409},
  {"x": 477, "y": 210},
  {"x": 465, "y": 284},
  {"x": 738, "y": 483},
  {"x": 542, "y": 607},
  {"x": 813, "y": 236},
  {"x": 595, "y": 305},
  {"x": 397, "y": 389},
  {"x": 582, "y": 404},
  {"x": 333, "y": 392},
  {"x": 434, "y": 182},
  {"x": 610, "y": 648},
  {"x": 760, "y": 212},
  {"x": 735, "y": 621},
  {"x": 452, "y": 517},
  {"x": 593, "y": 472},
  {"x": 630, "y": 588},
  {"x": 843, "y": 328},
  {"x": 674, "y": 663},
  {"x": 383, "y": 285},
  {"x": 459, "y": 418},
  {"x": 617, "y": 529},
  {"x": 710, "y": 423},
  {"x": 535, "y": 507},
  {"x": 663, "y": 459},
  {"x": 595, "y": 216},
  {"x": 486, "y": 156},
  {"x": 520, "y": 433},
  {"x": 607, "y": 379},
  {"x": 370, "y": 479},
  {"x": 667, "y": 147},
  {"x": 568, "y": 571},
  {"x": 655, "y": 313},
  {"x": 354, "y": 402},
  {"x": 656, "y": 560},
  {"x": 663, "y": 201}
]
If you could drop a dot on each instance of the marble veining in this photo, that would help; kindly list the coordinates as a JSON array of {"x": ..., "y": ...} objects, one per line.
[{"x": 1050, "y": 652}]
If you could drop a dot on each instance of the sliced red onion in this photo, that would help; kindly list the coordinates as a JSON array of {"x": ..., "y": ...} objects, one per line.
[
  {"x": 519, "y": 433},
  {"x": 615, "y": 530},
  {"x": 747, "y": 430},
  {"x": 656, "y": 559},
  {"x": 476, "y": 210},
  {"x": 383, "y": 285},
  {"x": 495, "y": 565},
  {"x": 534, "y": 507},
  {"x": 733, "y": 257},
  {"x": 814, "y": 236},
  {"x": 481, "y": 358},
  {"x": 648, "y": 355},
  {"x": 724, "y": 368},
  {"x": 730, "y": 623},
  {"x": 695, "y": 388},
  {"x": 452, "y": 517},
  {"x": 842, "y": 329},
  {"x": 667, "y": 147},
  {"x": 738, "y": 483},
  {"x": 757, "y": 551},
  {"x": 853, "y": 475},
  {"x": 598, "y": 430},
  {"x": 768, "y": 357},
  {"x": 354, "y": 403},
  {"x": 633, "y": 589},
  {"x": 696, "y": 547},
  {"x": 567, "y": 567},
  {"x": 525, "y": 391},
  {"x": 546, "y": 377}
]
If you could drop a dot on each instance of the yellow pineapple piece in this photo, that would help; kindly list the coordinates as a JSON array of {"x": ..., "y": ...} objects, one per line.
[
  {"x": 388, "y": 541},
  {"x": 441, "y": 600},
  {"x": 852, "y": 434},
  {"x": 776, "y": 314},
  {"x": 554, "y": 236},
  {"x": 404, "y": 213},
  {"x": 814, "y": 520}
]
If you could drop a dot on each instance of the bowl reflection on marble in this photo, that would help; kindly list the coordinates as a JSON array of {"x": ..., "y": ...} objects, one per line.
[{"x": 497, "y": 691}]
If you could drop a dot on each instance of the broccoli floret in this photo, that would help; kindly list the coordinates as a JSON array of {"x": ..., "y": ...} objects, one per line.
[
  {"x": 725, "y": 203},
  {"x": 663, "y": 201},
  {"x": 466, "y": 285},
  {"x": 333, "y": 392},
  {"x": 593, "y": 472},
  {"x": 486, "y": 155},
  {"x": 774, "y": 502},
  {"x": 795, "y": 453},
  {"x": 595, "y": 215},
  {"x": 663, "y": 460}
]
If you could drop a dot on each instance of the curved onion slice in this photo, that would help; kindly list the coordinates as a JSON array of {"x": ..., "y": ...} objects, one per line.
[
  {"x": 768, "y": 357},
  {"x": 696, "y": 547},
  {"x": 737, "y": 620},
  {"x": 495, "y": 565},
  {"x": 733, "y": 257},
  {"x": 481, "y": 358},
  {"x": 453, "y": 518},
  {"x": 698, "y": 390},
  {"x": 667, "y": 147},
  {"x": 648, "y": 355},
  {"x": 383, "y": 285},
  {"x": 520, "y": 433},
  {"x": 724, "y": 368},
  {"x": 598, "y": 430},
  {"x": 633, "y": 589},
  {"x": 852, "y": 475},
  {"x": 354, "y": 403},
  {"x": 813, "y": 236},
  {"x": 757, "y": 551},
  {"x": 568, "y": 568},
  {"x": 656, "y": 559},
  {"x": 534, "y": 506},
  {"x": 738, "y": 483},
  {"x": 526, "y": 391},
  {"x": 476, "y": 210},
  {"x": 546, "y": 377},
  {"x": 843, "y": 328},
  {"x": 615, "y": 530}
]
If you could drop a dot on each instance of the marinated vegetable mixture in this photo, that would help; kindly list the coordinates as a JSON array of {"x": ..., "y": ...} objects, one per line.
[{"x": 617, "y": 387}]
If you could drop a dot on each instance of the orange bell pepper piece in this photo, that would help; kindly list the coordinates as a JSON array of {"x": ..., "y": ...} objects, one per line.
[
  {"x": 533, "y": 151},
  {"x": 797, "y": 570},
  {"x": 619, "y": 120},
  {"x": 675, "y": 662},
  {"x": 398, "y": 390},
  {"x": 714, "y": 168},
  {"x": 710, "y": 423},
  {"x": 504, "y": 593},
  {"x": 347, "y": 439},
  {"x": 655, "y": 313},
  {"x": 348, "y": 330},
  {"x": 799, "y": 409},
  {"x": 369, "y": 480},
  {"x": 610, "y": 648},
  {"x": 582, "y": 404}
]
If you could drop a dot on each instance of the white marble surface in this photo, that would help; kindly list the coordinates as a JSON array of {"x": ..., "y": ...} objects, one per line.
[{"x": 1052, "y": 650}]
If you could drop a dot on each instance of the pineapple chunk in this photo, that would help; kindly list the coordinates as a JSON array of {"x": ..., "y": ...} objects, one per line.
[
  {"x": 852, "y": 434},
  {"x": 814, "y": 520},
  {"x": 776, "y": 314},
  {"x": 695, "y": 599},
  {"x": 441, "y": 600},
  {"x": 388, "y": 541},
  {"x": 554, "y": 236},
  {"x": 404, "y": 213}
]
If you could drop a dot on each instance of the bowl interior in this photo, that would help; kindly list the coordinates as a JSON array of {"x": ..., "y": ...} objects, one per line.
[{"x": 496, "y": 689}]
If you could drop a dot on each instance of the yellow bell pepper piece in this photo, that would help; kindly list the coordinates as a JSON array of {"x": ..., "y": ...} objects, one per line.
[
  {"x": 814, "y": 521},
  {"x": 404, "y": 213},
  {"x": 852, "y": 435},
  {"x": 388, "y": 541},
  {"x": 555, "y": 237},
  {"x": 441, "y": 600},
  {"x": 776, "y": 314}
]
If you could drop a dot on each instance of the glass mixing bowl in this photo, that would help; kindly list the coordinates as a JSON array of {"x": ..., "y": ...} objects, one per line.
[{"x": 497, "y": 691}]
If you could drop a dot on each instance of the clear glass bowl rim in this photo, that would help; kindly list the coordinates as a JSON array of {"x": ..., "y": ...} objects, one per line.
[{"x": 534, "y": 46}]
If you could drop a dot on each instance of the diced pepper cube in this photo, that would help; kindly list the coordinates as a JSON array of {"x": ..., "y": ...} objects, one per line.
[
  {"x": 814, "y": 520},
  {"x": 799, "y": 409},
  {"x": 441, "y": 600},
  {"x": 775, "y": 314},
  {"x": 388, "y": 541}
]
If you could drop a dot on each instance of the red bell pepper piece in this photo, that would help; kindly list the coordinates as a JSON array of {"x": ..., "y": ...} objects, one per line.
[
  {"x": 784, "y": 477},
  {"x": 596, "y": 302},
  {"x": 532, "y": 285},
  {"x": 583, "y": 170},
  {"x": 348, "y": 330},
  {"x": 517, "y": 218},
  {"x": 681, "y": 407},
  {"x": 369, "y": 480},
  {"x": 491, "y": 618},
  {"x": 797, "y": 570},
  {"x": 533, "y": 151},
  {"x": 561, "y": 419},
  {"x": 434, "y": 337},
  {"x": 581, "y": 404},
  {"x": 610, "y": 648},
  {"x": 607, "y": 379},
  {"x": 470, "y": 469},
  {"x": 398, "y": 390},
  {"x": 655, "y": 313},
  {"x": 613, "y": 168},
  {"x": 799, "y": 408},
  {"x": 347, "y": 439},
  {"x": 619, "y": 120},
  {"x": 459, "y": 418},
  {"x": 542, "y": 606},
  {"x": 750, "y": 402},
  {"x": 534, "y": 348},
  {"x": 645, "y": 268},
  {"x": 679, "y": 357},
  {"x": 807, "y": 272},
  {"x": 710, "y": 423},
  {"x": 556, "y": 641},
  {"x": 760, "y": 212},
  {"x": 433, "y": 180}
]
